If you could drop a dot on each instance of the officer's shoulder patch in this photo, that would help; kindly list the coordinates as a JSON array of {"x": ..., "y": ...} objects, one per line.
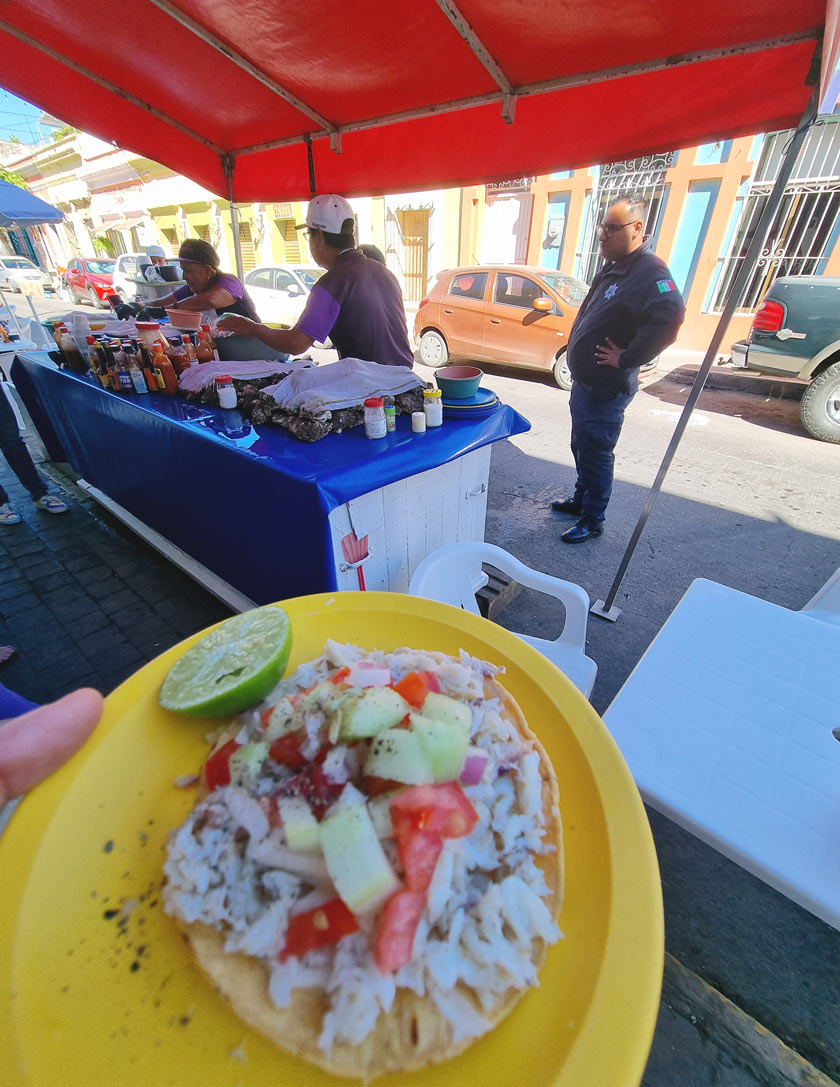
[{"x": 665, "y": 285}]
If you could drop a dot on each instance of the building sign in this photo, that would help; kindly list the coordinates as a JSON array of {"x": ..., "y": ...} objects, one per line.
[
  {"x": 516, "y": 184},
  {"x": 282, "y": 211}
]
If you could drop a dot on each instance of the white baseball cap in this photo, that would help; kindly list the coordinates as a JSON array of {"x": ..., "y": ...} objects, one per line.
[{"x": 328, "y": 212}]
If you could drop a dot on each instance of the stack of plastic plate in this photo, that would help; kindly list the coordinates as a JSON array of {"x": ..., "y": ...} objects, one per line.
[{"x": 483, "y": 403}]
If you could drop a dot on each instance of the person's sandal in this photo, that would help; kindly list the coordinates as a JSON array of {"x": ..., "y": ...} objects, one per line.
[
  {"x": 8, "y": 515},
  {"x": 51, "y": 504}
]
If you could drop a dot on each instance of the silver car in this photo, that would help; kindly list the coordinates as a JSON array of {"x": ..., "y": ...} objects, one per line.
[{"x": 15, "y": 271}]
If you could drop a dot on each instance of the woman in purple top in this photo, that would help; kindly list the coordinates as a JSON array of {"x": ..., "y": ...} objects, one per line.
[{"x": 206, "y": 287}]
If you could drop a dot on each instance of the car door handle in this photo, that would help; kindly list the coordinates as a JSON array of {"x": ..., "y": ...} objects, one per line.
[
  {"x": 448, "y": 311},
  {"x": 787, "y": 334},
  {"x": 495, "y": 321}
]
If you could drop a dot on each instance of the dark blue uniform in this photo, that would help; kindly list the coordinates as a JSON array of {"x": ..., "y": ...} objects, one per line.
[{"x": 635, "y": 303}]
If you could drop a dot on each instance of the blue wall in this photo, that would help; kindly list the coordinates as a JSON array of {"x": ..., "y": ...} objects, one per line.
[{"x": 691, "y": 232}]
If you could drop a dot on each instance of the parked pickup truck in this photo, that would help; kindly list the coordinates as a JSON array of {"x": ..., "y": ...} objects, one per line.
[{"x": 796, "y": 333}]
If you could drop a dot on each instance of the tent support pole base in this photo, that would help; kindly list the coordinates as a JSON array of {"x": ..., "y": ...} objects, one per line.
[
  {"x": 215, "y": 585},
  {"x": 773, "y": 201},
  {"x": 600, "y": 609}
]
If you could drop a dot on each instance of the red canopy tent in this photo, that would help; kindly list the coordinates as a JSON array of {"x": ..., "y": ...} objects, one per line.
[
  {"x": 271, "y": 102},
  {"x": 417, "y": 96}
]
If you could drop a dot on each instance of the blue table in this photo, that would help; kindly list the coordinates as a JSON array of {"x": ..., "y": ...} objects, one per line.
[{"x": 249, "y": 503}]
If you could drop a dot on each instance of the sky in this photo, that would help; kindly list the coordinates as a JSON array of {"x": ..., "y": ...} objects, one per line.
[{"x": 19, "y": 118}]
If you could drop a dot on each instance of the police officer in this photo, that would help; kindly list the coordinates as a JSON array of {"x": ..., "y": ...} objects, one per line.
[{"x": 632, "y": 312}]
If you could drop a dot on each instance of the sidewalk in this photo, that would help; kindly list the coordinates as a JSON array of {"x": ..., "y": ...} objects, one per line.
[{"x": 86, "y": 602}]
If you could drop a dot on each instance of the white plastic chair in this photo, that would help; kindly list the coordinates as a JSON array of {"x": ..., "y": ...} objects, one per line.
[
  {"x": 825, "y": 603},
  {"x": 453, "y": 575}
]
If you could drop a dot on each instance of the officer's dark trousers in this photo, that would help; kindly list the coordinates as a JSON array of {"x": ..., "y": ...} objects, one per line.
[
  {"x": 16, "y": 453},
  {"x": 597, "y": 416}
]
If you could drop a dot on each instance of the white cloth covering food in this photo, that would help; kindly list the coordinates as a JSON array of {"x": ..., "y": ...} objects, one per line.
[
  {"x": 198, "y": 377},
  {"x": 343, "y": 384}
]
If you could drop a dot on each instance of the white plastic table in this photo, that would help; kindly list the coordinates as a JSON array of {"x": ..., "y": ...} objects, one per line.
[{"x": 726, "y": 725}]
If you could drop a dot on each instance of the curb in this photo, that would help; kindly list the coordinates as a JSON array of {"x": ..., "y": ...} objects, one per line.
[{"x": 741, "y": 1037}]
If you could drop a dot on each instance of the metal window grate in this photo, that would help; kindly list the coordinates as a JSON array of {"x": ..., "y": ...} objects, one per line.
[{"x": 799, "y": 238}]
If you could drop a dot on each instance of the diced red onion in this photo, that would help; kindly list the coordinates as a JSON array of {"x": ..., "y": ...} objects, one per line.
[{"x": 473, "y": 769}]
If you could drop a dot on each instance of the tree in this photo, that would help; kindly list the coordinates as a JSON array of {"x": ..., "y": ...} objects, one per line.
[{"x": 12, "y": 178}]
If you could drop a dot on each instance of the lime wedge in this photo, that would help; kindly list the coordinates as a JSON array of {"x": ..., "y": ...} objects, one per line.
[{"x": 231, "y": 668}]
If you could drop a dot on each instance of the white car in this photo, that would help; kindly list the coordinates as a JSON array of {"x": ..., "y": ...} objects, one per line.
[
  {"x": 15, "y": 271},
  {"x": 280, "y": 291}
]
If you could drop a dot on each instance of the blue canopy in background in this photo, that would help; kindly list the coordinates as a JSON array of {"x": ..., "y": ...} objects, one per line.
[{"x": 20, "y": 208}]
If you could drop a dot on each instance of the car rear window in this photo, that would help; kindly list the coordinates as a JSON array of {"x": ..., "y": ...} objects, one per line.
[
  {"x": 469, "y": 285},
  {"x": 571, "y": 290}
]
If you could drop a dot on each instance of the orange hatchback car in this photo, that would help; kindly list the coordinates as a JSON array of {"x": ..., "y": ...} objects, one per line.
[{"x": 514, "y": 314}]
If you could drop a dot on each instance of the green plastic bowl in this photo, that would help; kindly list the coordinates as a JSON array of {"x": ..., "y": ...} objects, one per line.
[{"x": 458, "y": 382}]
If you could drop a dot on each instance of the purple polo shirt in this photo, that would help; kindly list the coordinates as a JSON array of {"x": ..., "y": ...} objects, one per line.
[
  {"x": 242, "y": 303},
  {"x": 358, "y": 304}
]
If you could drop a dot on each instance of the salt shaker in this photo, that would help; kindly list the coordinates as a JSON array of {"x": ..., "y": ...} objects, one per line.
[
  {"x": 433, "y": 407},
  {"x": 375, "y": 425},
  {"x": 226, "y": 391}
]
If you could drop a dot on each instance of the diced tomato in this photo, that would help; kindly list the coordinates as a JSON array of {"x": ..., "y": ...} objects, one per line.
[
  {"x": 415, "y": 686},
  {"x": 340, "y": 676},
  {"x": 217, "y": 767},
  {"x": 265, "y": 717},
  {"x": 418, "y": 852},
  {"x": 325, "y": 791},
  {"x": 441, "y": 809},
  {"x": 396, "y": 928},
  {"x": 375, "y": 786},
  {"x": 320, "y": 927},
  {"x": 287, "y": 751}
]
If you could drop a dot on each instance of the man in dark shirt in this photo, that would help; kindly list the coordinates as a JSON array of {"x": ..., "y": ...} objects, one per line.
[
  {"x": 357, "y": 304},
  {"x": 632, "y": 312}
]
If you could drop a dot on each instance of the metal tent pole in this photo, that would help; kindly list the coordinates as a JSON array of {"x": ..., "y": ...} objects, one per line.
[
  {"x": 228, "y": 164},
  {"x": 606, "y": 609}
]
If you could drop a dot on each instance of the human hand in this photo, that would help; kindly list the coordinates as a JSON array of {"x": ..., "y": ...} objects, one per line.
[
  {"x": 607, "y": 354},
  {"x": 232, "y": 322},
  {"x": 35, "y": 744}
]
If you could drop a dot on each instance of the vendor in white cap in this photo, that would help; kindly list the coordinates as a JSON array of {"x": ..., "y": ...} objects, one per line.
[{"x": 357, "y": 304}]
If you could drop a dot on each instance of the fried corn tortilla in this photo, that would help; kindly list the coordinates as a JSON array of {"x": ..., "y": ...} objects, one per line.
[{"x": 414, "y": 1032}]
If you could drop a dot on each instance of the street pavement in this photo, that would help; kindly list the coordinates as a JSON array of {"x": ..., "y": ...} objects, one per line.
[{"x": 751, "y": 994}]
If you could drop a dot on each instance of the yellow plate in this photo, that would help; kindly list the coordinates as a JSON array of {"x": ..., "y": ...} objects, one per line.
[{"x": 102, "y": 990}]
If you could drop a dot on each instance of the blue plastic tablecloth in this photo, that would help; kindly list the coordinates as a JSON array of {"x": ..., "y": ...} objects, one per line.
[{"x": 250, "y": 503}]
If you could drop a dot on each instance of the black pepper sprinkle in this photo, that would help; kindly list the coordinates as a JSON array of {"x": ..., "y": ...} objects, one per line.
[
  {"x": 108, "y": 846},
  {"x": 135, "y": 966},
  {"x": 109, "y": 915}
]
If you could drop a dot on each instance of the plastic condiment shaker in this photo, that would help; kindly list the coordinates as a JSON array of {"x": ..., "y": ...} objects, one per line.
[
  {"x": 390, "y": 414},
  {"x": 226, "y": 391},
  {"x": 433, "y": 407},
  {"x": 418, "y": 422},
  {"x": 375, "y": 425}
]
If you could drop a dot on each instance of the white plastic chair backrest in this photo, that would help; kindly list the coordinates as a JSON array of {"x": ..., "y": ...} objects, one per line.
[{"x": 447, "y": 575}]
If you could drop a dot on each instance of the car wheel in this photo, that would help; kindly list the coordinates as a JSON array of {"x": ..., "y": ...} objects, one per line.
[
  {"x": 92, "y": 298},
  {"x": 562, "y": 373},
  {"x": 820, "y": 406},
  {"x": 433, "y": 349}
]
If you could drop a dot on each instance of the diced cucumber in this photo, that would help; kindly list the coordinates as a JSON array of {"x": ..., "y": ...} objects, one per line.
[
  {"x": 443, "y": 708},
  {"x": 355, "y": 860},
  {"x": 325, "y": 697},
  {"x": 302, "y": 830},
  {"x": 396, "y": 754},
  {"x": 282, "y": 720},
  {"x": 371, "y": 712},
  {"x": 246, "y": 761},
  {"x": 443, "y": 744}
]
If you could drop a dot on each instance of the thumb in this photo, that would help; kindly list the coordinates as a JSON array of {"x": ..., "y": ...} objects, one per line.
[{"x": 35, "y": 744}]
